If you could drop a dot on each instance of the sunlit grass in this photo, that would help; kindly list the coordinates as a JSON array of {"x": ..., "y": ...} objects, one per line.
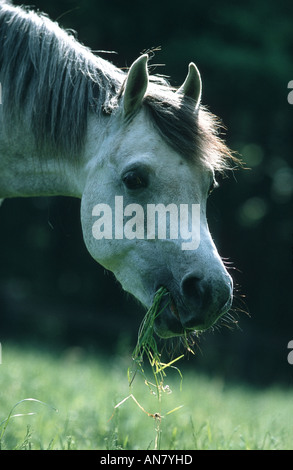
[{"x": 85, "y": 389}]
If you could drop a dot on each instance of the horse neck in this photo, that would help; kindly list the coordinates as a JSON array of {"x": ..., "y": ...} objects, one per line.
[{"x": 25, "y": 172}]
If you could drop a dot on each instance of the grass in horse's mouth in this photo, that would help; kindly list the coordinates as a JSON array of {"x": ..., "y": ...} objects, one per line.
[{"x": 147, "y": 345}]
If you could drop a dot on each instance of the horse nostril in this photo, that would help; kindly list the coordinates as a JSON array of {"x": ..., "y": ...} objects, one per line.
[
  {"x": 192, "y": 289},
  {"x": 196, "y": 296},
  {"x": 203, "y": 300}
]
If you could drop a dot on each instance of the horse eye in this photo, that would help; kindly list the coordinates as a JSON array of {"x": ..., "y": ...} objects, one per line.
[{"x": 134, "y": 180}]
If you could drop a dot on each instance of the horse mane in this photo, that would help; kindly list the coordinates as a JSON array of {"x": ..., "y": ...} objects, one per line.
[
  {"x": 51, "y": 76},
  {"x": 55, "y": 82}
]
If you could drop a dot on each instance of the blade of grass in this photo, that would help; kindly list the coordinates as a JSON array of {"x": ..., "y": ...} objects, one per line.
[{"x": 6, "y": 421}]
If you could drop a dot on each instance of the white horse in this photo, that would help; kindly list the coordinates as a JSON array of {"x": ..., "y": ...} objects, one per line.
[{"x": 73, "y": 124}]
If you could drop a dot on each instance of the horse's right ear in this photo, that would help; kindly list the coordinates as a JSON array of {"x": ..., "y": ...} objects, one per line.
[{"x": 136, "y": 85}]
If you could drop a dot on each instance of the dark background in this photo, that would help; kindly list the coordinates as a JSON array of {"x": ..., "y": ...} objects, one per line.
[{"x": 53, "y": 294}]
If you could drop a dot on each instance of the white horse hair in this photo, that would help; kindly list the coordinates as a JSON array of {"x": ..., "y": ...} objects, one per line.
[{"x": 73, "y": 124}]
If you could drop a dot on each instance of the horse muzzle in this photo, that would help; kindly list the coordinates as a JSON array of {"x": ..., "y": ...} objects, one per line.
[{"x": 196, "y": 306}]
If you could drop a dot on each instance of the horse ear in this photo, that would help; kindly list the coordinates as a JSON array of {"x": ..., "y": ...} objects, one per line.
[
  {"x": 192, "y": 85},
  {"x": 136, "y": 85}
]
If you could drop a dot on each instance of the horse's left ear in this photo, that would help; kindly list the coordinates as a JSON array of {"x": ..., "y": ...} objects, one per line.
[
  {"x": 192, "y": 85},
  {"x": 136, "y": 85}
]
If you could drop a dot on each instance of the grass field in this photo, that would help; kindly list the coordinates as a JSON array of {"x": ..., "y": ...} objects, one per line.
[{"x": 85, "y": 389}]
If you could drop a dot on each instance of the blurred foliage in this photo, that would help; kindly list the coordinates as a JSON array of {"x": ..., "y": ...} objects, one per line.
[{"x": 51, "y": 290}]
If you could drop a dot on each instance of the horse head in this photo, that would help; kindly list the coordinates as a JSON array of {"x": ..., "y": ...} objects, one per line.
[{"x": 144, "y": 197}]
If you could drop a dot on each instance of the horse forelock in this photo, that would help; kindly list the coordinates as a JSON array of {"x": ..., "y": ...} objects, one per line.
[
  {"x": 194, "y": 133},
  {"x": 57, "y": 81}
]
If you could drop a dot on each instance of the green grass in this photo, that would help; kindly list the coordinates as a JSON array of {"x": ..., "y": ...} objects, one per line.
[
  {"x": 146, "y": 352},
  {"x": 85, "y": 390}
]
